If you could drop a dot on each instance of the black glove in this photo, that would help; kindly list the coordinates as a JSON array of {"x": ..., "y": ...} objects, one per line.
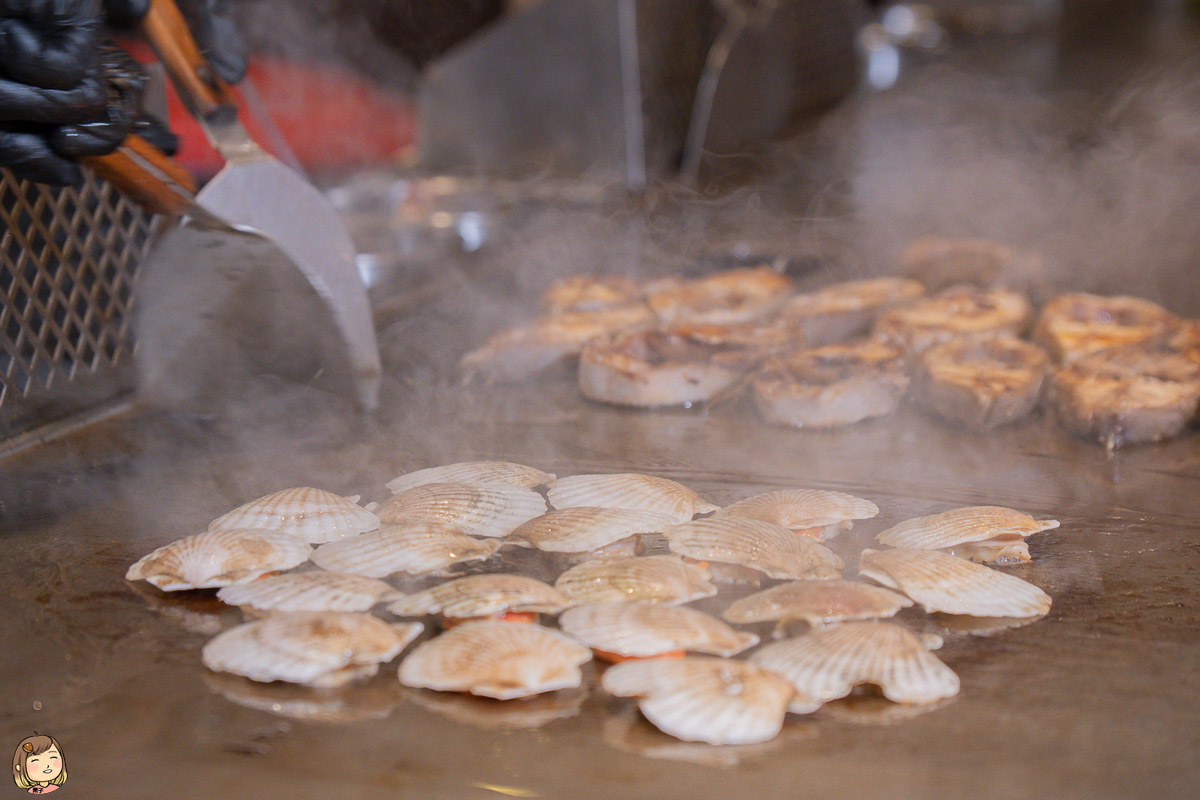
[{"x": 213, "y": 29}]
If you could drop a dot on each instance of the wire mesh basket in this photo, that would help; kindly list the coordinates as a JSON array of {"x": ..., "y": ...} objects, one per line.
[{"x": 69, "y": 259}]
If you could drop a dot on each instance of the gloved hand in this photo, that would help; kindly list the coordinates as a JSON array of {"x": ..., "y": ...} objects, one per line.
[{"x": 213, "y": 29}]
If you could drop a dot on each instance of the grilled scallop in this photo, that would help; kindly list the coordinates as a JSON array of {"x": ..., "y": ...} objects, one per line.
[
  {"x": 490, "y": 510},
  {"x": 726, "y": 298},
  {"x": 958, "y": 312},
  {"x": 308, "y": 591},
  {"x": 589, "y": 293},
  {"x": 518, "y": 353},
  {"x": 219, "y": 558},
  {"x": 315, "y": 648},
  {"x": 417, "y": 549},
  {"x": 1072, "y": 326},
  {"x": 1126, "y": 396},
  {"x": 677, "y": 365},
  {"x": 314, "y": 515},
  {"x": 940, "y": 262},
  {"x": 643, "y": 630},
  {"x": 752, "y": 543},
  {"x": 496, "y": 659},
  {"x": 505, "y": 472},
  {"x": 585, "y": 529},
  {"x": 809, "y": 512},
  {"x": 817, "y": 603},
  {"x": 1186, "y": 340},
  {"x": 835, "y": 313},
  {"x": 650, "y": 579},
  {"x": 827, "y": 387},
  {"x": 978, "y": 533},
  {"x": 981, "y": 383},
  {"x": 942, "y": 582},
  {"x": 481, "y": 596},
  {"x": 705, "y": 699},
  {"x": 828, "y": 663},
  {"x": 630, "y": 490}
]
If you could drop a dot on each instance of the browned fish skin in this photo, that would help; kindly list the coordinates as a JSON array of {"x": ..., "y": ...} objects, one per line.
[
  {"x": 1075, "y": 325},
  {"x": 1126, "y": 396},
  {"x": 831, "y": 386},
  {"x": 981, "y": 383},
  {"x": 960, "y": 311},
  {"x": 836, "y": 313}
]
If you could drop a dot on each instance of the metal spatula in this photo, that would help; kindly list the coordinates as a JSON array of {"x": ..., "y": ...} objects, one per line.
[{"x": 265, "y": 273}]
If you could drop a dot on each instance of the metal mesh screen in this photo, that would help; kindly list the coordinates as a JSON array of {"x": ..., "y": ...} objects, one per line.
[{"x": 68, "y": 261}]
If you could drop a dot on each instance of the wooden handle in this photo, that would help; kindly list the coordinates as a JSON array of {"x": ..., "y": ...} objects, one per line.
[
  {"x": 143, "y": 172},
  {"x": 168, "y": 33}
]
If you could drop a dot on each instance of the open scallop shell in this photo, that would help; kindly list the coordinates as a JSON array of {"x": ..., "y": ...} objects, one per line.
[
  {"x": 496, "y": 659},
  {"x": 652, "y": 579},
  {"x": 942, "y": 582},
  {"x": 810, "y": 512},
  {"x": 414, "y": 548},
  {"x": 314, "y": 515},
  {"x": 639, "y": 630},
  {"x": 829, "y": 662},
  {"x": 584, "y": 529},
  {"x": 315, "y": 648},
  {"x": 817, "y": 603},
  {"x": 491, "y": 510},
  {"x": 993, "y": 532},
  {"x": 630, "y": 490},
  {"x": 763, "y": 546},
  {"x": 505, "y": 472},
  {"x": 705, "y": 699},
  {"x": 308, "y": 591},
  {"x": 219, "y": 558},
  {"x": 481, "y": 595}
]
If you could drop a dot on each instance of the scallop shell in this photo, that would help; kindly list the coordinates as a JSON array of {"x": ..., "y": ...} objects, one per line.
[
  {"x": 705, "y": 699},
  {"x": 652, "y": 579},
  {"x": 805, "y": 511},
  {"x": 505, "y": 472},
  {"x": 308, "y": 591},
  {"x": 769, "y": 548},
  {"x": 413, "y": 548},
  {"x": 219, "y": 558},
  {"x": 648, "y": 629},
  {"x": 481, "y": 595},
  {"x": 315, "y": 648},
  {"x": 942, "y": 582},
  {"x": 630, "y": 490},
  {"x": 496, "y": 659},
  {"x": 314, "y": 515},
  {"x": 829, "y": 662},
  {"x": 584, "y": 529},
  {"x": 477, "y": 510},
  {"x": 817, "y": 603},
  {"x": 1001, "y": 529}
]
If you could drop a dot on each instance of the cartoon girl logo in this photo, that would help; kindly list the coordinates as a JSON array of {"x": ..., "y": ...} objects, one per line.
[{"x": 38, "y": 764}]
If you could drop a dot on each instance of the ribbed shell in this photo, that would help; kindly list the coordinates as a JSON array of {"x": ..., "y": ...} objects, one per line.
[
  {"x": 308, "y": 591},
  {"x": 798, "y": 509},
  {"x": 496, "y": 659},
  {"x": 584, "y": 529},
  {"x": 652, "y": 579},
  {"x": 828, "y": 663},
  {"x": 321, "y": 648},
  {"x": 630, "y": 490},
  {"x": 314, "y": 515},
  {"x": 964, "y": 525},
  {"x": 481, "y": 595},
  {"x": 505, "y": 472},
  {"x": 219, "y": 558},
  {"x": 942, "y": 582},
  {"x": 414, "y": 548},
  {"x": 769, "y": 548},
  {"x": 705, "y": 699},
  {"x": 477, "y": 510},
  {"x": 648, "y": 629},
  {"x": 817, "y": 603}
]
